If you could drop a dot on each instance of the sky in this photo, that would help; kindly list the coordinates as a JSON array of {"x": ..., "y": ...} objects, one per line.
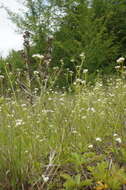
[{"x": 9, "y": 38}]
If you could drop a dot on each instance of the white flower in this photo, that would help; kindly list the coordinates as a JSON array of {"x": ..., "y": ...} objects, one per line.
[
  {"x": 82, "y": 55},
  {"x": 90, "y": 146},
  {"x": 78, "y": 80},
  {"x": 23, "y": 105},
  {"x": 98, "y": 139},
  {"x": 115, "y": 135},
  {"x": 117, "y": 67},
  {"x": 19, "y": 122},
  {"x": 45, "y": 178},
  {"x": 38, "y": 56},
  {"x": 72, "y": 60},
  {"x": 83, "y": 82},
  {"x": 84, "y": 117},
  {"x": 85, "y": 70},
  {"x": 118, "y": 140},
  {"x": 36, "y": 72},
  {"x": 120, "y": 60},
  {"x": 55, "y": 68},
  {"x": 74, "y": 131},
  {"x": 91, "y": 109},
  {"x": 1, "y": 77}
]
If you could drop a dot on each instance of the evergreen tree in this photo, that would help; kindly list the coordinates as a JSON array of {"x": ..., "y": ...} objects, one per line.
[{"x": 83, "y": 30}]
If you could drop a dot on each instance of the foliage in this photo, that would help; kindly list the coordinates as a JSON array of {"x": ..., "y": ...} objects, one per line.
[
  {"x": 95, "y": 27},
  {"x": 63, "y": 140}
]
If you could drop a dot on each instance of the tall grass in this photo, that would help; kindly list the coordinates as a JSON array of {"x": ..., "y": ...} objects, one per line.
[{"x": 67, "y": 141}]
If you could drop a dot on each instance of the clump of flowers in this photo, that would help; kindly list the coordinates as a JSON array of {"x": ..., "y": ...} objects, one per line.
[
  {"x": 19, "y": 122},
  {"x": 117, "y": 67},
  {"x": 98, "y": 139},
  {"x": 82, "y": 55},
  {"x": 36, "y": 72},
  {"x": 45, "y": 178},
  {"x": 85, "y": 70},
  {"x": 120, "y": 60},
  {"x": 115, "y": 135},
  {"x": 118, "y": 140},
  {"x": 90, "y": 146},
  {"x": 39, "y": 56}
]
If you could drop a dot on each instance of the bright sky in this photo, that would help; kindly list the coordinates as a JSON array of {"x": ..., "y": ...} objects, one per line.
[{"x": 9, "y": 39}]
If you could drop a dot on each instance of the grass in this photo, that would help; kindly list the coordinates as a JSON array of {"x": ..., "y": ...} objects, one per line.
[{"x": 65, "y": 141}]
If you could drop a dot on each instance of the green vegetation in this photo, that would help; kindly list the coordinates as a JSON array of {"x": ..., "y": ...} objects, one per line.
[
  {"x": 63, "y": 98},
  {"x": 63, "y": 29},
  {"x": 65, "y": 141}
]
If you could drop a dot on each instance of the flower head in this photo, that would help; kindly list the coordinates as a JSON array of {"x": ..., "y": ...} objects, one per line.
[
  {"x": 98, "y": 139},
  {"x": 82, "y": 55},
  {"x": 120, "y": 60},
  {"x": 118, "y": 140},
  {"x": 19, "y": 122},
  {"x": 117, "y": 67},
  {"x": 1, "y": 76},
  {"x": 85, "y": 70},
  {"x": 90, "y": 146},
  {"x": 45, "y": 178},
  {"x": 36, "y": 72},
  {"x": 115, "y": 135},
  {"x": 38, "y": 56}
]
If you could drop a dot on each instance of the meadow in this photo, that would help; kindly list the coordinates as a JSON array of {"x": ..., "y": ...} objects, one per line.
[{"x": 65, "y": 140}]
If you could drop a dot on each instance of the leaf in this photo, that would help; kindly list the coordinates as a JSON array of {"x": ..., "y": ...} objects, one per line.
[
  {"x": 86, "y": 182},
  {"x": 66, "y": 176},
  {"x": 77, "y": 179}
]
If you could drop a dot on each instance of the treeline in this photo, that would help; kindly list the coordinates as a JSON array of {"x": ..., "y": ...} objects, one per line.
[{"x": 62, "y": 30}]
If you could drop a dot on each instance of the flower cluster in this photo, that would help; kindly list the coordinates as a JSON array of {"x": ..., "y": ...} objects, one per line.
[
  {"x": 38, "y": 56},
  {"x": 120, "y": 60}
]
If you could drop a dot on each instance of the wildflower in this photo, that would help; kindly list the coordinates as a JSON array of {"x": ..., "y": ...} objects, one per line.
[
  {"x": 36, "y": 72},
  {"x": 45, "y": 178},
  {"x": 19, "y": 122},
  {"x": 72, "y": 60},
  {"x": 120, "y": 60},
  {"x": 83, "y": 117},
  {"x": 55, "y": 68},
  {"x": 61, "y": 61},
  {"x": 82, "y": 55},
  {"x": 91, "y": 109},
  {"x": 117, "y": 67},
  {"x": 78, "y": 80},
  {"x": 83, "y": 82},
  {"x": 1, "y": 77},
  {"x": 98, "y": 139},
  {"x": 36, "y": 89},
  {"x": 118, "y": 140},
  {"x": 74, "y": 132},
  {"x": 71, "y": 72},
  {"x": 90, "y": 146},
  {"x": 115, "y": 135},
  {"x": 38, "y": 56},
  {"x": 50, "y": 99},
  {"x": 85, "y": 70},
  {"x": 23, "y": 105}
]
